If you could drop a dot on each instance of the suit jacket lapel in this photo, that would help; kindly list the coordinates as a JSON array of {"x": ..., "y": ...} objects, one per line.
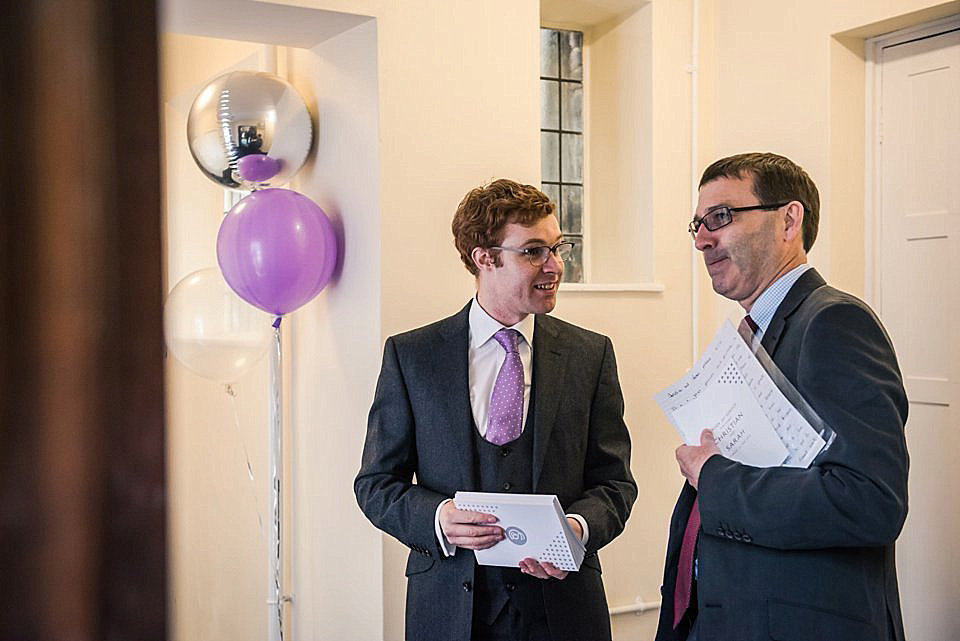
[
  {"x": 452, "y": 391},
  {"x": 549, "y": 370},
  {"x": 809, "y": 281}
]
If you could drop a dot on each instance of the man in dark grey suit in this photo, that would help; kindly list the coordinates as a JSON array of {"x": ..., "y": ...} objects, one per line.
[
  {"x": 433, "y": 418},
  {"x": 787, "y": 553}
]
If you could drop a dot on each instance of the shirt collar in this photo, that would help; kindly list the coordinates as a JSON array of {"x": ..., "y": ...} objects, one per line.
[
  {"x": 483, "y": 326},
  {"x": 767, "y": 303}
]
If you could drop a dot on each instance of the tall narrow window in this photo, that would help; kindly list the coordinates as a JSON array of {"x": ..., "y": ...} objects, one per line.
[{"x": 561, "y": 135}]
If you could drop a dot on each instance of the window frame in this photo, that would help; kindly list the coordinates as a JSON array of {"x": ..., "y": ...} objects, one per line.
[{"x": 581, "y": 238}]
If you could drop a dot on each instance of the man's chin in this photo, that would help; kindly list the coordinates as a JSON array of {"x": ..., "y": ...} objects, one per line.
[
  {"x": 720, "y": 287},
  {"x": 545, "y": 306}
]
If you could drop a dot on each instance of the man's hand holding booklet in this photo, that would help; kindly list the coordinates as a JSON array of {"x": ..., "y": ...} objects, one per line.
[{"x": 535, "y": 527}]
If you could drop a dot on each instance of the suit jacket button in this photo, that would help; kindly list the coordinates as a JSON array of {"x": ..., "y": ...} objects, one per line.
[
  {"x": 467, "y": 586},
  {"x": 507, "y": 486},
  {"x": 511, "y": 587},
  {"x": 504, "y": 451},
  {"x": 747, "y": 538},
  {"x": 721, "y": 531},
  {"x": 737, "y": 536}
]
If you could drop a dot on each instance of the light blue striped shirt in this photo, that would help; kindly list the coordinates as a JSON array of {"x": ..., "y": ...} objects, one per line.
[{"x": 767, "y": 303}]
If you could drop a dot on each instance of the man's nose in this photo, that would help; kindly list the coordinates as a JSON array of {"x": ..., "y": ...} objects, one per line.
[
  {"x": 704, "y": 238},
  {"x": 553, "y": 264}
]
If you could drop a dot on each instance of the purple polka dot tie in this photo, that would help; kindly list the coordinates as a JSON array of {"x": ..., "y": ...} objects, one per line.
[{"x": 505, "y": 417}]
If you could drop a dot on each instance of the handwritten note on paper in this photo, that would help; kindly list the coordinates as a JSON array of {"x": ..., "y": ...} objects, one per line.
[
  {"x": 802, "y": 441},
  {"x": 729, "y": 392}
]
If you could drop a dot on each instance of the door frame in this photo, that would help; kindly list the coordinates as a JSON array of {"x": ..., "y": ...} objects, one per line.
[{"x": 873, "y": 48}]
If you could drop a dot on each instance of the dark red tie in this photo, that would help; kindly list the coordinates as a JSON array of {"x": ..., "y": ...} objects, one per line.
[
  {"x": 748, "y": 329},
  {"x": 684, "y": 587}
]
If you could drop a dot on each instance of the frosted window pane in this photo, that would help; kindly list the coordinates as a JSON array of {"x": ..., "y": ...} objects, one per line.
[
  {"x": 553, "y": 193},
  {"x": 571, "y": 55},
  {"x": 549, "y": 104},
  {"x": 572, "y": 210},
  {"x": 572, "y": 96},
  {"x": 549, "y": 55},
  {"x": 573, "y": 266},
  {"x": 549, "y": 156},
  {"x": 572, "y": 161}
]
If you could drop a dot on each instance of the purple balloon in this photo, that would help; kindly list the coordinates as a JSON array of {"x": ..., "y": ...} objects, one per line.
[
  {"x": 276, "y": 249},
  {"x": 257, "y": 168}
]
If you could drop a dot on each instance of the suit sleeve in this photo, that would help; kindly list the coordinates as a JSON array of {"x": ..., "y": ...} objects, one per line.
[
  {"x": 608, "y": 486},
  {"x": 384, "y": 486},
  {"x": 855, "y": 494}
]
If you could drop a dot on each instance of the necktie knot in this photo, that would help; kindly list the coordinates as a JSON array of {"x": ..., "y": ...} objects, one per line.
[
  {"x": 509, "y": 339},
  {"x": 748, "y": 329}
]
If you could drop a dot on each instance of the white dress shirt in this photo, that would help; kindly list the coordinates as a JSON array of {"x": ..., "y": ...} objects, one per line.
[{"x": 484, "y": 358}]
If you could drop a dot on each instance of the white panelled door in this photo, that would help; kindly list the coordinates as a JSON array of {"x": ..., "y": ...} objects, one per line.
[{"x": 919, "y": 301}]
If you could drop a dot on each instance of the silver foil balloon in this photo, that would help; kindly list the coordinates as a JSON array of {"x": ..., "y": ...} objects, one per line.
[{"x": 247, "y": 113}]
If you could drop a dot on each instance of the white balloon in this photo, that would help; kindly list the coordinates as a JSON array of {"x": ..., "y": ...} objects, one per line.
[{"x": 211, "y": 330}]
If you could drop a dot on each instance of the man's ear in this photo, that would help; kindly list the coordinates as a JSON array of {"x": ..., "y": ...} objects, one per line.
[
  {"x": 482, "y": 258},
  {"x": 793, "y": 221}
]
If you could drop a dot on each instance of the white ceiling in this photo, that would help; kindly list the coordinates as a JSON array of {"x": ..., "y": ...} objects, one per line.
[
  {"x": 255, "y": 21},
  {"x": 585, "y": 13},
  {"x": 282, "y": 24}
]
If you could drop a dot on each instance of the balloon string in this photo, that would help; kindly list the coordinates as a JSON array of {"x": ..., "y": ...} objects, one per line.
[
  {"x": 275, "y": 457},
  {"x": 232, "y": 393}
]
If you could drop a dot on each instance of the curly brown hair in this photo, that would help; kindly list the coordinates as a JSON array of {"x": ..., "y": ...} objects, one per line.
[
  {"x": 485, "y": 211},
  {"x": 775, "y": 179}
]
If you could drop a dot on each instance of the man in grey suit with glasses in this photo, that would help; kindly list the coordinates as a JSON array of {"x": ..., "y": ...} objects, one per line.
[
  {"x": 788, "y": 553},
  {"x": 499, "y": 397}
]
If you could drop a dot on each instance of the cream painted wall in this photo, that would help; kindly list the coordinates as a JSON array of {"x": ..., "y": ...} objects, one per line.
[
  {"x": 456, "y": 104},
  {"x": 618, "y": 154},
  {"x": 789, "y": 77},
  {"x": 219, "y": 517},
  {"x": 336, "y": 557},
  {"x": 214, "y": 508}
]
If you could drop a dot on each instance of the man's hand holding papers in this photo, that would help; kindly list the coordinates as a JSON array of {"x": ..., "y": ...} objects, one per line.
[
  {"x": 729, "y": 392},
  {"x": 692, "y": 457}
]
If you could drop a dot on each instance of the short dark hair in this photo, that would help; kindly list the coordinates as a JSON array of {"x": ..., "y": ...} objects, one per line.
[
  {"x": 775, "y": 179},
  {"x": 485, "y": 211}
]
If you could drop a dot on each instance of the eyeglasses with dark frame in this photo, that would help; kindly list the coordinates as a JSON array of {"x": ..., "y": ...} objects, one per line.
[
  {"x": 538, "y": 255},
  {"x": 722, "y": 216}
]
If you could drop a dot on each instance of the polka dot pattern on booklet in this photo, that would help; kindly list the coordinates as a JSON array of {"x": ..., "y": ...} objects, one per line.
[
  {"x": 558, "y": 553},
  {"x": 731, "y": 375},
  {"x": 479, "y": 507}
]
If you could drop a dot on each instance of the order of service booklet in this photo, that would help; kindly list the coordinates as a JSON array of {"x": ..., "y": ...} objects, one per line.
[
  {"x": 535, "y": 527},
  {"x": 731, "y": 390}
]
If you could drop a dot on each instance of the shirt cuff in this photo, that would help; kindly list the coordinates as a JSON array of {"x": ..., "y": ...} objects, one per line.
[
  {"x": 583, "y": 524},
  {"x": 448, "y": 548}
]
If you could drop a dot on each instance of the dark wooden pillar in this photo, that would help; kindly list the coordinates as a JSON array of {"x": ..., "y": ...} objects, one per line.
[{"x": 82, "y": 497}]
